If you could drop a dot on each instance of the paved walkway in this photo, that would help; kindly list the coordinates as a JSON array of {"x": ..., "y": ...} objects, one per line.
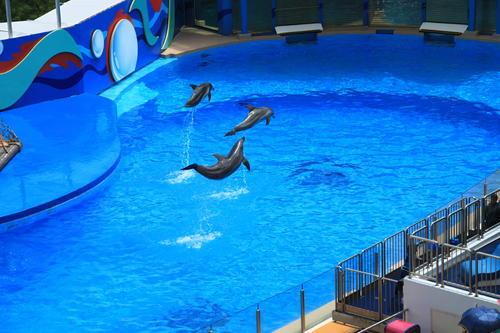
[
  {"x": 194, "y": 39},
  {"x": 334, "y": 327}
]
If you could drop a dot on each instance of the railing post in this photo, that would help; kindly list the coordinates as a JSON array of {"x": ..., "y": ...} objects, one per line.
[
  {"x": 437, "y": 265},
  {"x": 380, "y": 283},
  {"x": 383, "y": 260},
  {"x": 413, "y": 255},
  {"x": 477, "y": 275},
  {"x": 447, "y": 227},
  {"x": 409, "y": 253},
  {"x": 302, "y": 310},
  {"x": 464, "y": 229},
  {"x": 470, "y": 271},
  {"x": 442, "y": 266},
  {"x": 8, "y": 12},
  {"x": 258, "y": 320},
  {"x": 359, "y": 276},
  {"x": 482, "y": 214},
  {"x": 341, "y": 286},
  {"x": 58, "y": 13}
]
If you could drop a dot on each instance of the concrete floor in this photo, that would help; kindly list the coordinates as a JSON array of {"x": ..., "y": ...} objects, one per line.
[{"x": 335, "y": 327}]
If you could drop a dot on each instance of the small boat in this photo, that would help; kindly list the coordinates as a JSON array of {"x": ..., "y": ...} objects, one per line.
[{"x": 10, "y": 145}]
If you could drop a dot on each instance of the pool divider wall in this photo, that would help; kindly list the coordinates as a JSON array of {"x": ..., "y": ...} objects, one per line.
[
  {"x": 65, "y": 155},
  {"x": 87, "y": 57}
]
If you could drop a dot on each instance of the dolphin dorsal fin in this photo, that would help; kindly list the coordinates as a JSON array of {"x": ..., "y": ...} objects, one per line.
[
  {"x": 219, "y": 157},
  {"x": 250, "y": 107},
  {"x": 194, "y": 86}
]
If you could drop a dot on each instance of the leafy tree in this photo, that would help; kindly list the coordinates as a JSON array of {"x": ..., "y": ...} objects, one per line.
[{"x": 26, "y": 9}]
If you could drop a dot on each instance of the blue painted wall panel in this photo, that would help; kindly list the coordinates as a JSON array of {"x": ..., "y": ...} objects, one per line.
[{"x": 132, "y": 32}]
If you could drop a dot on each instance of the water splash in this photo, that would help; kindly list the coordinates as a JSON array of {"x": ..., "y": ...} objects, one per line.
[
  {"x": 189, "y": 121},
  {"x": 229, "y": 194},
  {"x": 182, "y": 176},
  {"x": 179, "y": 177},
  {"x": 195, "y": 241}
]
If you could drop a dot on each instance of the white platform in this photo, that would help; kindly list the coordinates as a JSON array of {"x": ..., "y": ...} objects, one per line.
[
  {"x": 72, "y": 12},
  {"x": 443, "y": 28},
  {"x": 284, "y": 30}
]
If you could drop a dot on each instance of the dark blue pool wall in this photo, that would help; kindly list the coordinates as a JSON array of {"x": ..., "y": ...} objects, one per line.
[
  {"x": 86, "y": 58},
  {"x": 258, "y": 16}
]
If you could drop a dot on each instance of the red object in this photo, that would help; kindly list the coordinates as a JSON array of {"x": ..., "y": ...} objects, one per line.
[
  {"x": 401, "y": 326},
  {"x": 156, "y": 4}
]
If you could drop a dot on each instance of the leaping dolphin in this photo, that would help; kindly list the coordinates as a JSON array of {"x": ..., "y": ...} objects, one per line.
[
  {"x": 199, "y": 92},
  {"x": 254, "y": 116},
  {"x": 225, "y": 166}
]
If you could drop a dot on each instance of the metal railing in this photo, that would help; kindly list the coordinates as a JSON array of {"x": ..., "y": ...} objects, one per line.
[
  {"x": 417, "y": 246},
  {"x": 401, "y": 314},
  {"x": 8, "y": 14},
  {"x": 297, "y": 309},
  {"x": 369, "y": 284},
  {"x": 455, "y": 266},
  {"x": 375, "y": 297}
]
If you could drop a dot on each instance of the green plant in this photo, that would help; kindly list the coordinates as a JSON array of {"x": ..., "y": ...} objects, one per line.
[{"x": 26, "y": 10}]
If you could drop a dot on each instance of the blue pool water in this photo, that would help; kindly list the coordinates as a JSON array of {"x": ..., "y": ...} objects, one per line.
[
  {"x": 371, "y": 133},
  {"x": 60, "y": 157}
]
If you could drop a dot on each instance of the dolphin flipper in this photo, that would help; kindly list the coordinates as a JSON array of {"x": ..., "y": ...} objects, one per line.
[
  {"x": 209, "y": 96},
  {"x": 246, "y": 163},
  {"x": 268, "y": 120},
  {"x": 194, "y": 86},
  {"x": 219, "y": 157}
]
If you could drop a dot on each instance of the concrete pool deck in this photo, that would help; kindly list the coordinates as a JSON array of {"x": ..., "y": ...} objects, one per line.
[{"x": 195, "y": 39}]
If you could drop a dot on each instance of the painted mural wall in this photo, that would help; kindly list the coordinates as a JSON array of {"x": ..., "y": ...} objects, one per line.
[{"x": 85, "y": 58}]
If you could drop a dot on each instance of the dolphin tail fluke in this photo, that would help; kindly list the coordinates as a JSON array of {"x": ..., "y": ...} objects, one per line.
[
  {"x": 246, "y": 163},
  {"x": 231, "y": 132},
  {"x": 190, "y": 167}
]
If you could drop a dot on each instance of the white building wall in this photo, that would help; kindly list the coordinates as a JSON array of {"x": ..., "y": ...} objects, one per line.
[{"x": 436, "y": 309}]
